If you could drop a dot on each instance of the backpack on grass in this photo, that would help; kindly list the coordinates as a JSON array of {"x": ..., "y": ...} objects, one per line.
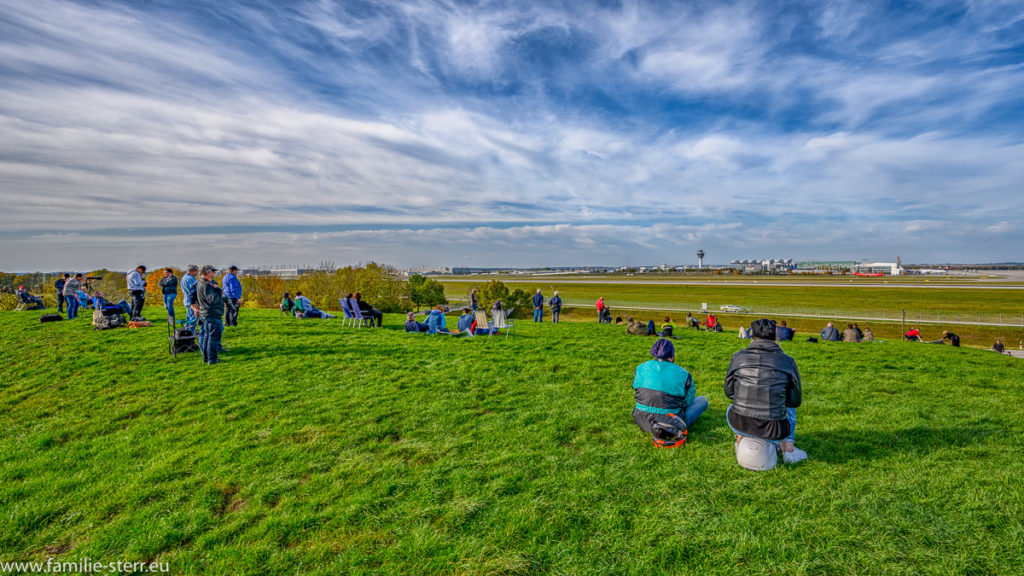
[{"x": 50, "y": 318}]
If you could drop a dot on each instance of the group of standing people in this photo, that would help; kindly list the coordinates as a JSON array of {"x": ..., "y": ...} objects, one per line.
[{"x": 538, "y": 306}]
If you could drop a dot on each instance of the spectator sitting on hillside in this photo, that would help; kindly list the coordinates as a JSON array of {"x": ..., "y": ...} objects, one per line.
[
  {"x": 369, "y": 311},
  {"x": 305, "y": 307},
  {"x": 998, "y": 346},
  {"x": 666, "y": 399},
  {"x": 869, "y": 336},
  {"x": 953, "y": 338},
  {"x": 711, "y": 323},
  {"x": 829, "y": 333},
  {"x": 744, "y": 334},
  {"x": 849, "y": 335},
  {"x": 411, "y": 325},
  {"x": 287, "y": 304},
  {"x": 764, "y": 386},
  {"x": 691, "y": 321},
  {"x": 860, "y": 333},
  {"x": 783, "y": 333},
  {"x": 667, "y": 327},
  {"x": 496, "y": 306},
  {"x": 636, "y": 328},
  {"x": 914, "y": 335},
  {"x": 33, "y": 302},
  {"x": 619, "y": 321},
  {"x": 465, "y": 321},
  {"x": 436, "y": 321}
]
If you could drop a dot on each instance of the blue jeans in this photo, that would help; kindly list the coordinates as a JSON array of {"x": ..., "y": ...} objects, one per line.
[
  {"x": 209, "y": 339},
  {"x": 693, "y": 411},
  {"x": 72, "y": 303},
  {"x": 169, "y": 304},
  {"x": 538, "y": 314},
  {"x": 790, "y": 415},
  {"x": 190, "y": 314}
]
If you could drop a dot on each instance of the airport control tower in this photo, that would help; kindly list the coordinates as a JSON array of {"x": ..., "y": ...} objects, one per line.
[{"x": 700, "y": 258}]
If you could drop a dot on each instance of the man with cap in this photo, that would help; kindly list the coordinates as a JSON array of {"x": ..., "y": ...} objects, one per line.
[
  {"x": 764, "y": 386},
  {"x": 232, "y": 296},
  {"x": 137, "y": 288},
  {"x": 210, "y": 302},
  {"x": 663, "y": 391},
  {"x": 188, "y": 294}
]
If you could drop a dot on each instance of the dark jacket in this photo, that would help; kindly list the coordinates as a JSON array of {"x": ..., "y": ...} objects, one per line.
[
  {"x": 555, "y": 304},
  {"x": 830, "y": 333},
  {"x": 59, "y": 285},
  {"x": 169, "y": 285},
  {"x": 763, "y": 381},
  {"x": 210, "y": 299},
  {"x": 783, "y": 333},
  {"x": 538, "y": 300}
]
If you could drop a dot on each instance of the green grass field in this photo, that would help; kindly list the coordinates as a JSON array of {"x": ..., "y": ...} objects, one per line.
[{"x": 326, "y": 450}]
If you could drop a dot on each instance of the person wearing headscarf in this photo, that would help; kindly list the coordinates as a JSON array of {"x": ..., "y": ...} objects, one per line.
[{"x": 664, "y": 389}]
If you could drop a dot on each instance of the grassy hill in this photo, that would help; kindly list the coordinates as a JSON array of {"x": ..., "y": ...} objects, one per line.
[{"x": 319, "y": 449}]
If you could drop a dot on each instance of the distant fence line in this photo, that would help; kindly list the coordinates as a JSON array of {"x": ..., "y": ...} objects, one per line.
[{"x": 966, "y": 318}]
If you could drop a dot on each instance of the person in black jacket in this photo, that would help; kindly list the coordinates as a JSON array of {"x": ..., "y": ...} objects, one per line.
[
  {"x": 59, "y": 287},
  {"x": 376, "y": 316},
  {"x": 210, "y": 304},
  {"x": 764, "y": 386},
  {"x": 953, "y": 338},
  {"x": 169, "y": 289}
]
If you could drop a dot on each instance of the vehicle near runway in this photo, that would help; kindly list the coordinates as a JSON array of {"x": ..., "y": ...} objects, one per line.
[{"x": 732, "y": 308}]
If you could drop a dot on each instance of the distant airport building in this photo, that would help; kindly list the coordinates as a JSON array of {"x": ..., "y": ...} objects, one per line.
[
  {"x": 765, "y": 265},
  {"x": 825, "y": 265},
  {"x": 883, "y": 268}
]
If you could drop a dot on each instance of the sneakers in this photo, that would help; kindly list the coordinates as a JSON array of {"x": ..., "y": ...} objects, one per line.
[{"x": 797, "y": 455}]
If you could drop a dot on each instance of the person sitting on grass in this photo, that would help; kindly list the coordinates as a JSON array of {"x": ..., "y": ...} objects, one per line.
[
  {"x": 465, "y": 321},
  {"x": 711, "y": 324},
  {"x": 411, "y": 325},
  {"x": 953, "y": 338},
  {"x": 287, "y": 304},
  {"x": 850, "y": 334},
  {"x": 305, "y": 307},
  {"x": 764, "y": 386},
  {"x": 869, "y": 336},
  {"x": 999, "y": 347},
  {"x": 666, "y": 399},
  {"x": 667, "y": 327},
  {"x": 635, "y": 328},
  {"x": 691, "y": 321},
  {"x": 33, "y": 302},
  {"x": 744, "y": 334},
  {"x": 436, "y": 322},
  {"x": 829, "y": 333},
  {"x": 619, "y": 321},
  {"x": 784, "y": 333},
  {"x": 913, "y": 335}
]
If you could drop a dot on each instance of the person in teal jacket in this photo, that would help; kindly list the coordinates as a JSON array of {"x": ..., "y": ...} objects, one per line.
[{"x": 662, "y": 387}]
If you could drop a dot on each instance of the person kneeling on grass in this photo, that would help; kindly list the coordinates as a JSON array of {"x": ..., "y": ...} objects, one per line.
[
  {"x": 411, "y": 325},
  {"x": 764, "y": 386},
  {"x": 666, "y": 399}
]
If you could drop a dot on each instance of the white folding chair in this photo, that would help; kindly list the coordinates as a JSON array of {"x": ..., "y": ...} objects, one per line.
[{"x": 501, "y": 322}]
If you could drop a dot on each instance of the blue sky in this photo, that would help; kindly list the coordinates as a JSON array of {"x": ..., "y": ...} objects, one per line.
[{"x": 515, "y": 133}]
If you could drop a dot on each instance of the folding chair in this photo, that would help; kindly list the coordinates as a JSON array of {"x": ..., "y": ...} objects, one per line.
[
  {"x": 481, "y": 320},
  {"x": 349, "y": 318},
  {"x": 357, "y": 316},
  {"x": 501, "y": 322},
  {"x": 21, "y": 305}
]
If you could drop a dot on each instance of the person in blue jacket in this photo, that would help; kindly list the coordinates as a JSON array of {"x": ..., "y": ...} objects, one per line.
[
  {"x": 556, "y": 307},
  {"x": 232, "y": 296},
  {"x": 188, "y": 292},
  {"x": 538, "y": 306},
  {"x": 664, "y": 391},
  {"x": 435, "y": 321}
]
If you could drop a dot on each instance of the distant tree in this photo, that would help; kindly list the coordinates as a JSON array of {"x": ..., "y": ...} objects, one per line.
[
  {"x": 493, "y": 290},
  {"x": 522, "y": 301},
  {"x": 425, "y": 291}
]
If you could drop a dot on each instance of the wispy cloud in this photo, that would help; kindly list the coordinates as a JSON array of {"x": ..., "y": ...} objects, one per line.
[{"x": 525, "y": 123}]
